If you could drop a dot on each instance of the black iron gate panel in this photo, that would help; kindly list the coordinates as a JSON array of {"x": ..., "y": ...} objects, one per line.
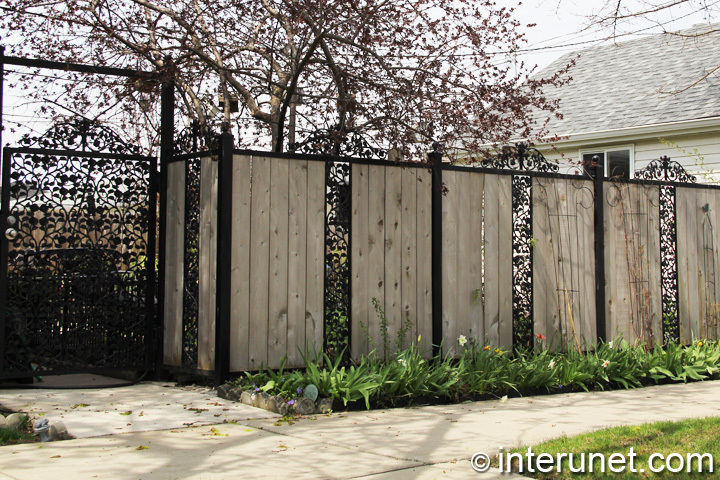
[{"x": 77, "y": 254}]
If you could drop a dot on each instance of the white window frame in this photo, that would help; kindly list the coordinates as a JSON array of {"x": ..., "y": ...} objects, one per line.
[{"x": 614, "y": 148}]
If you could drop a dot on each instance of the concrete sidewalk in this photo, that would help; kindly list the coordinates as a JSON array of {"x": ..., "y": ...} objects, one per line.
[{"x": 426, "y": 442}]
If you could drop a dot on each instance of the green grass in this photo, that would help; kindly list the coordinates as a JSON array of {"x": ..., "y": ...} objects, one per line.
[
  {"x": 13, "y": 437},
  {"x": 686, "y": 437}
]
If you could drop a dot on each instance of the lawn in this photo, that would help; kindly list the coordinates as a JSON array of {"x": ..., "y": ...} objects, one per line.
[
  {"x": 13, "y": 437},
  {"x": 695, "y": 436}
]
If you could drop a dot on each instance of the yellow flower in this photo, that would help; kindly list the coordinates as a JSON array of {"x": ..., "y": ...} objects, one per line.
[
  {"x": 700, "y": 344},
  {"x": 487, "y": 347},
  {"x": 498, "y": 351},
  {"x": 419, "y": 337}
]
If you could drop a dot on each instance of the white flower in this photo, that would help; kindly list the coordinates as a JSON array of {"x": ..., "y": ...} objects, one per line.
[
  {"x": 605, "y": 363},
  {"x": 609, "y": 344},
  {"x": 462, "y": 340},
  {"x": 402, "y": 362},
  {"x": 551, "y": 365}
]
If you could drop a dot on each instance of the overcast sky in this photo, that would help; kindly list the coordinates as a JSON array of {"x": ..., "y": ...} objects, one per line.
[{"x": 560, "y": 25}]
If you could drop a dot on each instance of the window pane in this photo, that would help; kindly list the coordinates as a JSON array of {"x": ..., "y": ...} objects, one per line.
[{"x": 619, "y": 163}]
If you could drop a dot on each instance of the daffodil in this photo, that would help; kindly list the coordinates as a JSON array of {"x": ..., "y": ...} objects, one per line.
[
  {"x": 610, "y": 344},
  {"x": 462, "y": 340},
  {"x": 402, "y": 362},
  {"x": 700, "y": 344},
  {"x": 487, "y": 347},
  {"x": 551, "y": 365},
  {"x": 605, "y": 363},
  {"x": 498, "y": 351}
]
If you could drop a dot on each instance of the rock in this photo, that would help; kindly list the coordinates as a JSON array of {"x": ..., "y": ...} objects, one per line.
[
  {"x": 260, "y": 400},
  {"x": 2, "y": 421},
  {"x": 16, "y": 420},
  {"x": 246, "y": 397},
  {"x": 283, "y": 408},
  {"x": 234, "y": 394},
  {"x": 223, "y": 391},
  {"x": 325, "y": 405},
  {"x": 304, "y": 406},
  {"x": 58, "y": 431},
  {"x": 273, "y": 404}
]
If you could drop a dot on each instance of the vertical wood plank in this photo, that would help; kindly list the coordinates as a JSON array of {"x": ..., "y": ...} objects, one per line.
[
  {"x": 174, "y": 264},
  {"x": 316, "y": 211},
  {"x": 376, "y": 250},
  {"x": 207, "y": 264},
  {"x": 278, "y": 288},
  {"x": 542, "y": 281},
  {"x": 297, "y": 260},
  {"x": 449, "y": 261},
  {"x": 360, "y": 260},
  {"x": 240, "y": 272},
  {"x": 424, "y": 254},
  {"x": 408, "y": 286},
  {"x": 492, "y": 241},
  {"x": 652, "y": 195},
  {"x": 393, "y": 251},
  {"x": 259, "y": 261},
  {"x": 587, "y": 247},
  {"x": 505, "y": 262}
]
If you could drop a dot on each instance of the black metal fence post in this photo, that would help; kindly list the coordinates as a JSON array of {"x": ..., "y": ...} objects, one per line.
[
  {"x": 599, "y": 202},
  {"x": 224, "y": 253},
  {"x": 167, "y": 134},
  {"x": 435, "y": 159}
]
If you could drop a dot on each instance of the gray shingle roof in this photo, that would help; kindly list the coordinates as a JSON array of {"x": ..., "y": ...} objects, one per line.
[{"x": 621, "y": 85}]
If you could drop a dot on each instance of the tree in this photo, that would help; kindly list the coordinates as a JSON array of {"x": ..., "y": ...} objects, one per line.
[{"x": 407, "y": 71}]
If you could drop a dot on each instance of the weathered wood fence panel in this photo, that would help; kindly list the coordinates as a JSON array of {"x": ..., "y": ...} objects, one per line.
[
  {"x": 632, "y": 262},
  {"x": 390, "y": 247},
  {"x": 563, "y": 260},
  {"x": 698, "y": 218},
  {"x": 278, "y": 263},
  {"x": 174, "y": 265},
  {"x": 477, "y": 258},
  {"x": 207, "y": 264}
]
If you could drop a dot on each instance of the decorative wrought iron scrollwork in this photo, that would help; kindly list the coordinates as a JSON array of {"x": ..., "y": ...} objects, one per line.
[
  {"x": 196, "y": 138},
  {"x": 337, "y": 259},
  {"x": 191, "y": 275},
  {"x": 522, "y": 261},
  {"x": 520, "y": 157},
  {"x": 346, "y": 143},
  {"x": 665, "y": 170},
  {"x": 77, "y": 288},
  {"x": 668, "y": 264},
  {"x": 80, "y": 135}
]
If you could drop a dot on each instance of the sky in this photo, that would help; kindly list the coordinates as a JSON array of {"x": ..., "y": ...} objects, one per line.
[{"x": 561, "y": 25}]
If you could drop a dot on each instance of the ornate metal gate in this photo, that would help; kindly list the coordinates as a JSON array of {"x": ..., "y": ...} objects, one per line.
[{"x": 77, "y": 253}]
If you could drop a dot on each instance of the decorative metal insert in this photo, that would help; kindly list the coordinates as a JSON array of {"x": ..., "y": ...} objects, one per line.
[
  {"x": 337, "y": 259},
  {"x": 77, "y": 284},
  {"x": 520, "y": 157},
  {"x": 191, "y": 275},
  {"x": 333, "y": 141},
  {"x": 665, "y": 170},
  {"x": 80, "y": 135},
  {"x": 668, "y": 264},
  {"x": 196, "y": 138},
  {"x": 522, "y": 261}
]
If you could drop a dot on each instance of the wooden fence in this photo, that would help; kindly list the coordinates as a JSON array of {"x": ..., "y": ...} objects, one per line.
[{"x": 276, "y": 282}]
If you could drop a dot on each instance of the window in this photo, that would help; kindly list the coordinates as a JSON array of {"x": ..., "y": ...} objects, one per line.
[{"x": 617, "y": 161}]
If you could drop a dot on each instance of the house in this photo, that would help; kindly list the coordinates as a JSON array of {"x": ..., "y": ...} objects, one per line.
[{"x": 632, "y": 102}]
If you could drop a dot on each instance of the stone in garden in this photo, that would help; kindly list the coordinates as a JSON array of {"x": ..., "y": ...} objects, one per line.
[
  {"x": 223, "y": 391},
  {"x": 16, "y": 420},
  {"x": 58, "y": 431},
  {"x": 260, "y": 400},
  {"x": 325, "y": 405},
  {"x": 273, "y": 404},
  {"x": 283, "y": 408},
  {"x": 311, "y": 392},
  {"x": 304, "y": 406},
  {"x": 234, "y": 394},
  {"x": 246, "y": 397}
]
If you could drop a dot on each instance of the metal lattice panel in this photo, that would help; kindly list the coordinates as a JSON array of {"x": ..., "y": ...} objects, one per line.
[
  {"x": 337, "y": 258},
  {"x": 668, "y": 264},
  {"x": 191, "y": 289},
  {"x": 522, "y": 261},
  {"x": 520, "y": 157},
  {"x": 77, "y": 281},
  {"x": 666, "y": 170}
]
